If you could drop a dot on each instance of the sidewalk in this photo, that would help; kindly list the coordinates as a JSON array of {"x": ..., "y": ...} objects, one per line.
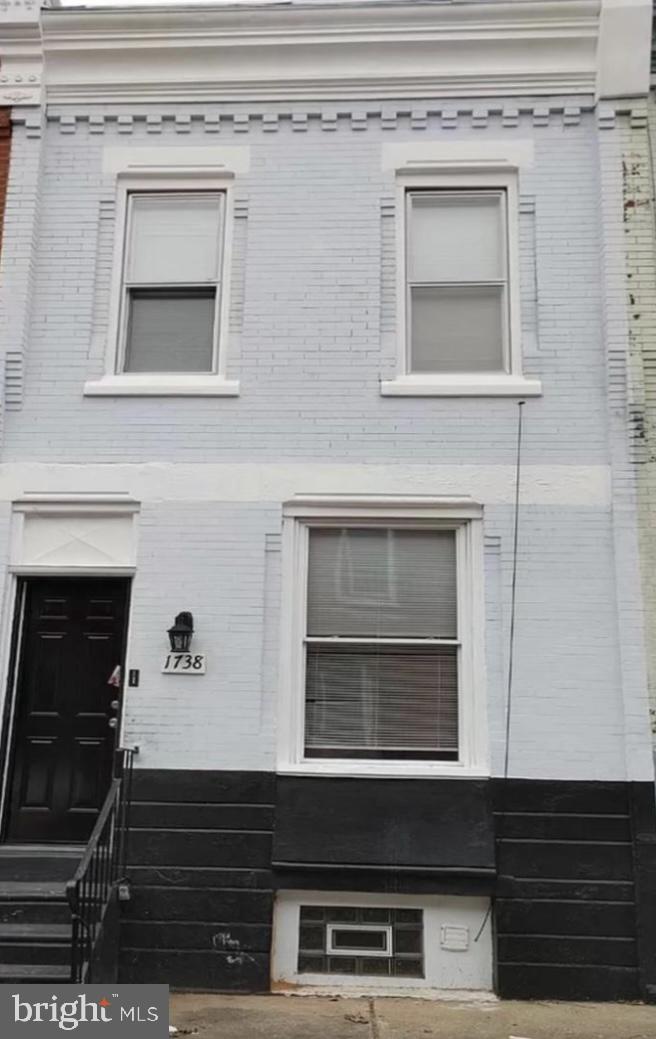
[{"x": 309, "y": 1017}]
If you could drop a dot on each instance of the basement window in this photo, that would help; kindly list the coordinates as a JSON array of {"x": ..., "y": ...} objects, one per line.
[{"x": 361, "y": 941}]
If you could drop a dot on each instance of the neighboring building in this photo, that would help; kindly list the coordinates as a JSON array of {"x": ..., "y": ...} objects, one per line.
[
  {"x": 639, "y": 162},
  {"x": 5, "y": 146},
  {"x": 275, "y": 280}
]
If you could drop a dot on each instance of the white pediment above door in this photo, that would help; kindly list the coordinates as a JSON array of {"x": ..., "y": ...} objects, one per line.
[{"x": 61, "y": 535}]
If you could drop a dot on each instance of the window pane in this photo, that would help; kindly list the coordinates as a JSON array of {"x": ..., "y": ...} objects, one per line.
[
  {"x": 170, "y": 330},
  {"x": 456, "y": 237},
  {"x": 372, "y": 941},
  {"x": 384, "y": 582},
  {"x": 381, "y": 701},
  {"x": 457, "y": 329},
  {"x": 174, "y": 238}
]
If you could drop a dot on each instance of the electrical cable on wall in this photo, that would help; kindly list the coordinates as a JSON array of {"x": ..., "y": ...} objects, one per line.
[{"x": 511, "y": 640}]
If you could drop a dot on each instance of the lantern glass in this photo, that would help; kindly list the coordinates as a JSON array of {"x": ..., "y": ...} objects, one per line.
[{"x": 180, "y": 640}]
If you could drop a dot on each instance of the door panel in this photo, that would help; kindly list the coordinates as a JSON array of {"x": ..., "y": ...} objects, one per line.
[{"x": 73, "y": 638}]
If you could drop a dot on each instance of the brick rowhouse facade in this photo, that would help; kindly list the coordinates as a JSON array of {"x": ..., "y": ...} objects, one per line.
[{"x": 529, "y": 863}]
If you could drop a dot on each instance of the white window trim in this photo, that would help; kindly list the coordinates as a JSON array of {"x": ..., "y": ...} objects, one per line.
[
  {"x": 463, "y": 515},
  {"x": 205, "y": 384},
  {"x": 385, "y": 953},
  {"x": 466, "y": 175}
]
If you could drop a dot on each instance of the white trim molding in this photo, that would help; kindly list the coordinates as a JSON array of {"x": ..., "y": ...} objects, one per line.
[
  {"x": 173, "y": 160},
  {"x": 461, "y": 386},
  {"x": 624, "y": 48},
  {"x": 60, "y": 504},
  {"x": 462, "y": 515},
  {"x": 322, "y": 482},
  {"x": 161, "y": 385},
  {"x": 315, "y": 50},
  {"x": 447, "y": 156},
  {"x": 74, "y": 534}
]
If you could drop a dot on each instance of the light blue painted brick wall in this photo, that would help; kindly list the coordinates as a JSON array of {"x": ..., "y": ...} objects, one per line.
[
  {"x": 211, "y": 558},
  {"x": 309, "y": 348},
  {"x": 310, "y": 353}
]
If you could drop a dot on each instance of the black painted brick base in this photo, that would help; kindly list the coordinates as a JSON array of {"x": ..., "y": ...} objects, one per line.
[
  {"x": 200, "y": 867},
  {"x": 565, "y": 911},
  {"x": 575, "y": 895}
]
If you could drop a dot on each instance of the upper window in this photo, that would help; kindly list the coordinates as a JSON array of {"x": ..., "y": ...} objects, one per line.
[
  {"x": 171, "y": 289},
  {"x": 457, "y": 273},
  {"x": 383, "y": 645},
  {"x": 169, "y": 285},
  {"x": 457, "y": 281}
]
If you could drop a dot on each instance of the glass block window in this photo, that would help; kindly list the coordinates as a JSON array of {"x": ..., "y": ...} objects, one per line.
[{"x": 361, "y": 941}]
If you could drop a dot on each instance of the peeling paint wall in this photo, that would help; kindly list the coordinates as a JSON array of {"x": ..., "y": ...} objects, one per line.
[{"x": 638, "y": 160}]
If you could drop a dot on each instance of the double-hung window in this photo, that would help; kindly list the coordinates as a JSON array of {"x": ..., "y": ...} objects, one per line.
[
  {"x": 171, "y": 291},
  {"x": 383, "y": 647},
  {"x": 457, "y": 288},
  {"x": 457, "y": 281},
  {"x": 382, "y": 643}
]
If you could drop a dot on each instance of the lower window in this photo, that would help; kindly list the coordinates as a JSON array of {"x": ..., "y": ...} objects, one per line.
[
  {"x": 382, "y": 648},
  {"x": 382, "y": 643},
  {"x": 361, "y": 941}
]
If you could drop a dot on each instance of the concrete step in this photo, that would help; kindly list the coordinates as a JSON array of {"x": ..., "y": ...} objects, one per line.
[
  {"x": 35, "y": 933},
  {"x": 28, "y": 955},
  {"x": 28, "y": 903},
  {"x": 35, "y": 943},
  {"x": 43, "y": 866},
  {"x": 34, "y": 973}
]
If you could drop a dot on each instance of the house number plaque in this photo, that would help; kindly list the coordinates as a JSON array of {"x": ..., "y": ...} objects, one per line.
[{"x": 184, "y": 664}]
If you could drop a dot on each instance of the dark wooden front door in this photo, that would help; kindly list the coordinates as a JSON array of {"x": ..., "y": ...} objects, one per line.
[{"x": 73, "y": 636}]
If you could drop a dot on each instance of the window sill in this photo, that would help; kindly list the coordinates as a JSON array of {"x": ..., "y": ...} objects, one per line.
[
  {"x": 162, "y": 386},
  {"x": 461, "y": 386},
  {"x": 384, "y": 770}
]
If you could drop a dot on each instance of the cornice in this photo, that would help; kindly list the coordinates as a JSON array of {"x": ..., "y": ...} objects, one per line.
[
  {"x": 318, "y": 22},
  {"x": 324, "y": 50}
]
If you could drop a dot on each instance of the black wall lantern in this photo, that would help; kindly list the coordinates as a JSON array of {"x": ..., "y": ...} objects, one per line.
[{"x": 182, "y": 632}]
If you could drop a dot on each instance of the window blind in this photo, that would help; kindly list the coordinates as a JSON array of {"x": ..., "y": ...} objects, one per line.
[
  {"x": 457, "y": 277},
  {"x": 174, "y": 238},
  {"x": 381, "y": 701},
  {"x": 456, "y": 328},
  {"x": 381, "y": 643},
  {"x": 382, "y": 582},
  {"x": 455, "y": 236},
  {"x": 170, "y": 330}
]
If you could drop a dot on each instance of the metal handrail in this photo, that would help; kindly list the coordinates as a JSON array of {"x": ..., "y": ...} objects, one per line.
[
  {"x": 101, "y": 868},
  {"x": 94, "y": 839}
]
